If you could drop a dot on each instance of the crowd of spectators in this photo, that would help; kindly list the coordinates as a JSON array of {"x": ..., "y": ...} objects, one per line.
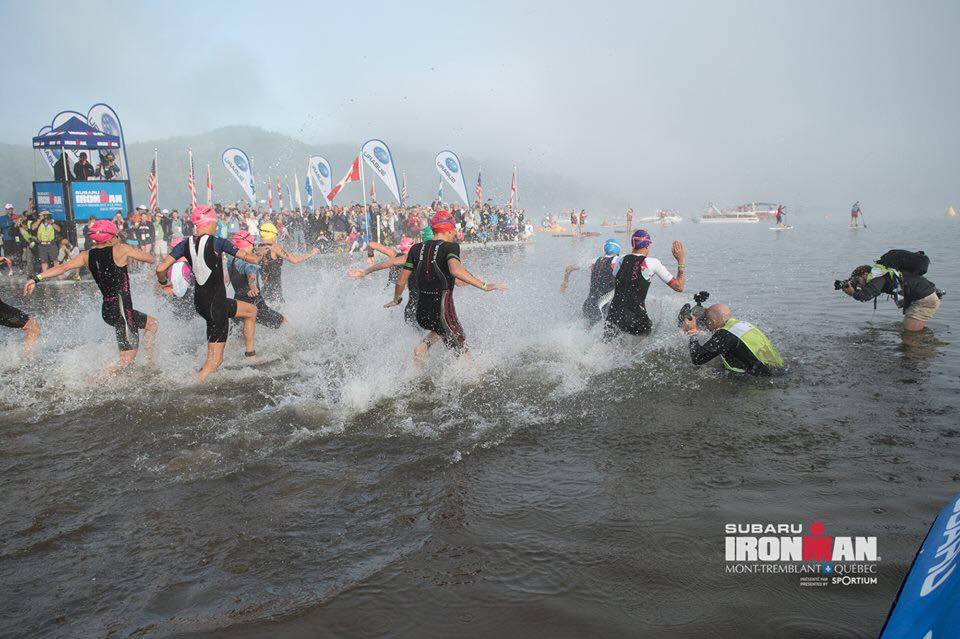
[{"x": 34, "y": 240}]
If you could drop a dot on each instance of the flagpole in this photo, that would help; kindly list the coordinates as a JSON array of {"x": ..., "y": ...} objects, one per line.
[
  {"x": 363, "y": 189},
  {"x": 156, "y": 175}
]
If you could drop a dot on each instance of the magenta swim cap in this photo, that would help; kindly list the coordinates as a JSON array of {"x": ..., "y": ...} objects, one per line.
[
  {"x": 203, "y": 216},
  {"x": 641, "y": 239},
  {"x": 242, "y": 240},
  {"x": 405, "y": 244},
  {"x": 102, "y": 231}
]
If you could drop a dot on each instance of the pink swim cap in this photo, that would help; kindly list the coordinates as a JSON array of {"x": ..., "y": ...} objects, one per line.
[
  {"x": 102, "y": 231},
  {"x": 242, "y": 240},
  {"x": 406, "y": 243},
  {"x": 203, "y": 216}
]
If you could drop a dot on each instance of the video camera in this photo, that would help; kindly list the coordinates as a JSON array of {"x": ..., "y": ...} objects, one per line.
[
  {"x": 839, "y": 284},
  {"x": 697, "y": 311}
]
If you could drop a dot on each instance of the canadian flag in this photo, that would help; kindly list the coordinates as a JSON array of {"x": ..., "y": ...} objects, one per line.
[{"x": 353, "y": 175}]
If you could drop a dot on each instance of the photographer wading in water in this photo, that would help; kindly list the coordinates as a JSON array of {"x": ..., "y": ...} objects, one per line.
[
  {"x": 742, "y": 347},
  {"x": 899, "y": 274}
]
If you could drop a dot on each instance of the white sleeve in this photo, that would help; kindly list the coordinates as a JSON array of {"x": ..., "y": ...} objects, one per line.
[{"x": 656, "y": 266}]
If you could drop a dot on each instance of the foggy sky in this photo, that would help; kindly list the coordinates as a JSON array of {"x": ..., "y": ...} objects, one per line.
[{"x": 668, "y": 105}]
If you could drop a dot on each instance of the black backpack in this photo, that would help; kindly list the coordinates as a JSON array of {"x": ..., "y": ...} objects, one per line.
[{"x": 914, "y": 262}]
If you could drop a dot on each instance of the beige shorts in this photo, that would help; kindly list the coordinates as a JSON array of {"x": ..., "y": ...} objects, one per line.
[{"x": 924, "y": 309}]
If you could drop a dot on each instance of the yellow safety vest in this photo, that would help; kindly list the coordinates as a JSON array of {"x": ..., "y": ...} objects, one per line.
[
  {"x": 755, "y": 341},
  {"x": 46, "y": 233}
]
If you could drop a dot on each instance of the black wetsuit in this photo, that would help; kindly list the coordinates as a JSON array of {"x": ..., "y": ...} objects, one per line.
[
  {"x": 272, "y": 268},
  {"x": 732, "y": 348},
  {"x": 204, "y": 253},
  {"x": 241, "y": 291},
  {"x": 628, "y": 312},
  {"x": 12, "y": 317},
  {"x": 117, "y": 309},
  {"x": 434, "y": 283},
  {"x": 602, "y": 281}
]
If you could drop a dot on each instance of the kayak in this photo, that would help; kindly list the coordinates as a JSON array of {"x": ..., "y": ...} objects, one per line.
[
  {"x": 928, "y": 604},
  {"x": 781, "y": 228}
]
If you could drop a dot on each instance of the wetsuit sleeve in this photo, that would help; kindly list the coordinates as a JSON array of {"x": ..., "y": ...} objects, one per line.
[
  {"x": 721, "y": 343},
  {"x": 180, "y": 250},
  {"x": 220, "y": 245},
  {"x": 451, "y": 250},
  {"x": 413, "y": 256},
  {"x": 870, "y": 290}
]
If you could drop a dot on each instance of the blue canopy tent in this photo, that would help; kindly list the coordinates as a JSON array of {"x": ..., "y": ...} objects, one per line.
[
  {"x": 75, "y": 134},
  {"x": 67, "y": 199}
]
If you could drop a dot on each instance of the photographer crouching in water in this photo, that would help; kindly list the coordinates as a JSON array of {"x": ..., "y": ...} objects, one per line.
[
  {"x": 899, "y": 274},
  {"x": 742, "y": 347}
]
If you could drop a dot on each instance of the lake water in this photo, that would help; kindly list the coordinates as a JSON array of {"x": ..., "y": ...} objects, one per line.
[{"x": 552, "y": 486}]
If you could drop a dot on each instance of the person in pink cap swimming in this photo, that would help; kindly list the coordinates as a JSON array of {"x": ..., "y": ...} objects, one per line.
[
  {"x": 435, "y": 267},
  {"x": 396, "y": 259},
  {"x": 107, "y": 261},
  {"x": 204, "y": 253}
]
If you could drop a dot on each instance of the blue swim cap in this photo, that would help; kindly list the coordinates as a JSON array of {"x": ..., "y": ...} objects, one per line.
[{"x": 611, "y": 247}]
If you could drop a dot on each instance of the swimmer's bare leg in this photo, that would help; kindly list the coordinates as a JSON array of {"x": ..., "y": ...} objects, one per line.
[
  {"x": 248, "y": 312},
  {"x": 149, "y": 336},
  {"x": 126, "y": 359},
  {"x": 214, "y": 359},
  {"x": 420, "y": 352},
  {"x": 32, "y": 332}
]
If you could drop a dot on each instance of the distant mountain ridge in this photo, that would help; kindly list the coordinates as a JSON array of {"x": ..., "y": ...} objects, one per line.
[{"x": 276, "y": 155}]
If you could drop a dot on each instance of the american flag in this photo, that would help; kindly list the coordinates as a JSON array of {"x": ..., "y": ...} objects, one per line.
[
  {"x": 280, "y": 195},
  {"x": 209, "y": 187},
  {"x": 479, "y": 188},
  {"x": 513, "y": 188},
  {"x": 152, "y": 184},
  {"x": 403, "y": 190},
  {"x": 269, "y": 196},
  {"x": 191, "y": 184}
]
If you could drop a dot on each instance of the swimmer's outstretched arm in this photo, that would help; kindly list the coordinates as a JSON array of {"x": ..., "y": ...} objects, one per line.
[
  {"x": 380, "y": 248},
  {"x": 458, "y": 271},
  {"x": 59, "y": 269},
  {"x": 294, "y": 259},
  {"x": 248, "y": 256},
  {"x": 136, "y": 254},
  {"x": 566, "y": 276},
  {"x": 399, "y": 260}
]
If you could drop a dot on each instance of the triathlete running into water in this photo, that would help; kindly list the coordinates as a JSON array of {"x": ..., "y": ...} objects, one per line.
[
  {"x": 634, "y": 272},
  {"x": 397, "y": 260},
  {"x": 203, "y": 252},
  {"x": 107, "y": 261},
  {"x": 602, "y": 282},
  {"x": 245, "y": 279},
  {"x": 435, "y": 266},
  {"x": 13, "y": 317},
  {"x": 272, "y": 263}
]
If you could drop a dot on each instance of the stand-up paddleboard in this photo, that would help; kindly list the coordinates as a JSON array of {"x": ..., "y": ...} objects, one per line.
[
  {"x": 928, "y": 604},
  {"x": 781, "y": 228}
]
